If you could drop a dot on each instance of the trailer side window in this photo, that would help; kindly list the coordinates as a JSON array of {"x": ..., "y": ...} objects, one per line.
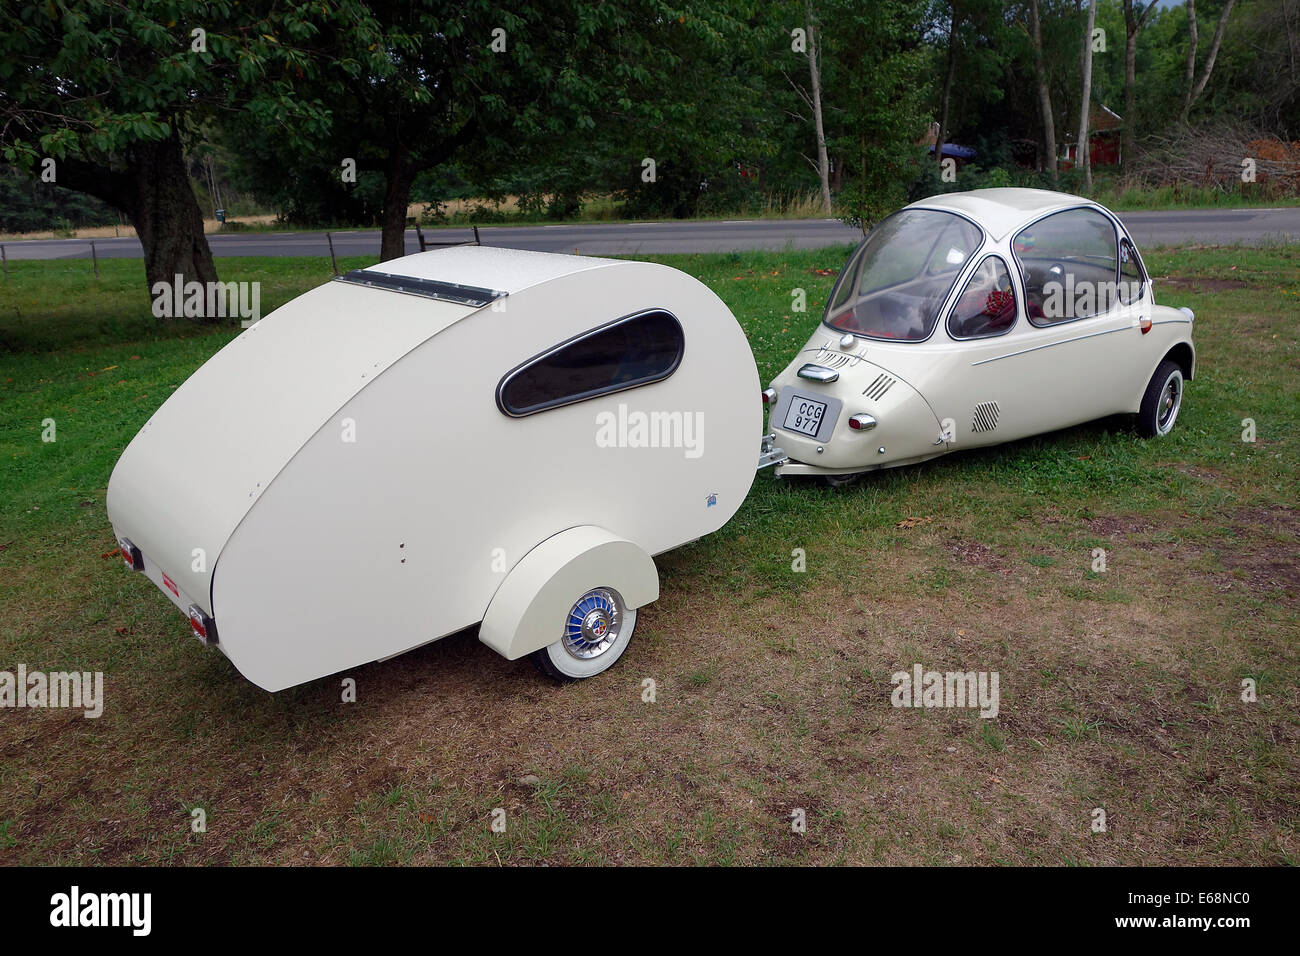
[{"x": 636, "y": 350}]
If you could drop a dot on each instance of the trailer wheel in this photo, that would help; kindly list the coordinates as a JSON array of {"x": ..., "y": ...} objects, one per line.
[
  {"x": 1160, "y": 404},
  {"x": 596, "y": 631}
]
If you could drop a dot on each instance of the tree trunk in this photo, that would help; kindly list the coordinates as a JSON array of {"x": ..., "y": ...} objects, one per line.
[
  {"x": 1194, "y": 93},
  {"x": 154, "y": 192},
  {"x": 1189, "y": 72},
  {"x": 946, "y": 96},
  {"x": 1044, "y": 93},
  {"x": 1085, "y": 103},
  {"x": 167, "y": 216},
  {"x": 814, "y": 69},
  {"x": 397, "y": 196}
]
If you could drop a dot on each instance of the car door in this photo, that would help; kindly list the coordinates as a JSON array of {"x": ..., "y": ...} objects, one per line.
[
  {"x": 1074, "y": 359},
  {"x": 1062, "y": 356}
]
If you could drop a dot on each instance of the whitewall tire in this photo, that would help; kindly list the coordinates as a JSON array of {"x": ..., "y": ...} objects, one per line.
[{"x": 594, "y": 635}]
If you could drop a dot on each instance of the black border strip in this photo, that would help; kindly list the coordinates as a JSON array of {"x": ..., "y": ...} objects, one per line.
[{"x": 427, "y": 288}]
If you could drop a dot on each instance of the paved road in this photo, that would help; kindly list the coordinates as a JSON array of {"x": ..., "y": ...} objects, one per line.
[{"x": 1211, "y": 226}]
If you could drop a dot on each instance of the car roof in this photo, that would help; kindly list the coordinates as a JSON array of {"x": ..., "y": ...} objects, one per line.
[{"x": 1001, "y": 210}]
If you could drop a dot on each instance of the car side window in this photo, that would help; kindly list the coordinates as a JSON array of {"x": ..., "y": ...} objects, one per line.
[
  {"x": 636, "y": 350},
  {"x": 987, "y": 304},
  {"x": 1132, "y": 281},
  {"x": 1069, "y": 261}
]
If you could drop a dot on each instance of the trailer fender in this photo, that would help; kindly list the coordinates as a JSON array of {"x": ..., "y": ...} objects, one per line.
[{"x": 529, "y": 608}]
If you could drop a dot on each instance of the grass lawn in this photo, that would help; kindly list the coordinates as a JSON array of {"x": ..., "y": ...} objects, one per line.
[{"x": 1120, "y": 690}]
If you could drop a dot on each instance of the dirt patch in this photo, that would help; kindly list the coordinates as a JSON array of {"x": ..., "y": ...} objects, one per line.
[
  {"x": 1267, "y": 569},
  {"x": 975, "y": 554},
  {"x": 1115, "y": 526},
  {"x": 1277, "y": 518},
  {"x": 1203, "y": 283},
  {"x": 1192, "y": 471}
]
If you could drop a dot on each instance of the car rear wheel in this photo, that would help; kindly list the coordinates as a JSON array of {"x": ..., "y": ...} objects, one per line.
[
  {"x": 595, "y": 634},
  {"x": 1163, "y": 399}
]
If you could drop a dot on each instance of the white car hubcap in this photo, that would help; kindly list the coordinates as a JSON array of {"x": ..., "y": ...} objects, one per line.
[{"x": 1171, "y": 397}]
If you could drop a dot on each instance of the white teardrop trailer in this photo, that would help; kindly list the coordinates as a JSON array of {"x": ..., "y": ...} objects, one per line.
[{"x": 468, "y": 436}]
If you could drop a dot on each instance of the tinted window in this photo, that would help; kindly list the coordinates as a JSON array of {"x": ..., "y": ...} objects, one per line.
[
  {"x": 895, "y": 285},
  {"x": 1069, "y": 263},
  {"x": 634, "y": 351},
  {"x": 987, "y": 304}
]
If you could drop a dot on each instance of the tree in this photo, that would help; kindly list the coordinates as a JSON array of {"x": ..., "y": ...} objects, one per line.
[
  {"x": 1194, "y": 90},
  {"x": 815, "y": 78},
  {"x": 438, "y": 78},
  {"x": 1134, "y": 20},
  {"x": 110, "y": 92},
  {"x": 955, "y": 18},
  {"x": 875, "y": 65},
  {"x": 1044, "y": 92},
  {"x": 1085, "y": 101}
]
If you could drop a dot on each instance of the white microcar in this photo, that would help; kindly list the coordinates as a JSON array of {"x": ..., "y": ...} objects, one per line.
[{"x": 976, "y": 318}]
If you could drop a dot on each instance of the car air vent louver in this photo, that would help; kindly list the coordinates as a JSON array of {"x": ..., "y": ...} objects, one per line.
[
  {"x": 985, "y": 418},
  {"x": 879, "y": 386},
  {"x": 828, "y": 359}
]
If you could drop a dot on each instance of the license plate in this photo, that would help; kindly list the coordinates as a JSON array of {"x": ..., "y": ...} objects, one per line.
[{"x": 804, "y": 416}]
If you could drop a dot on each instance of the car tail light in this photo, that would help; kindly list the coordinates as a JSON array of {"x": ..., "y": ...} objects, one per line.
[
  {"x": 204, "y": 628},
  {"x": 132, "y": 556},
  {"x": 862, "y": 423},
  {"x": 769, "y": 396},
  {"x": 1144, "y": 324}
]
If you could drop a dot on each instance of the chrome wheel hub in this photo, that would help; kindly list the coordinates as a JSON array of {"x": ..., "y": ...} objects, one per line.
[{"x": 593, "y": 624}]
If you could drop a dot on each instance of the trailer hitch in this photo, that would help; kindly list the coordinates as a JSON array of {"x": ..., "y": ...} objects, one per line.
[{"x": 769, "y": 454}]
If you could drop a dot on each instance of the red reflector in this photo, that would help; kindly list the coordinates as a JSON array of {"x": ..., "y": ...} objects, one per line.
[
  {"x": 855, "y": 424},
  {"x": 132, "y": 557},
  {"x": 204, "y": 628}
]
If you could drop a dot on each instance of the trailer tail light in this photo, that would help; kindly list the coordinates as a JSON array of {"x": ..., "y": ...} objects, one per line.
[
  {"x": 1144, "y": 324},
  {"x": 862, "y": 423},
  {"x": 132, "y": 556},
  {"x": 204, "y": 628},
  {"x": 769, "y": 396}
]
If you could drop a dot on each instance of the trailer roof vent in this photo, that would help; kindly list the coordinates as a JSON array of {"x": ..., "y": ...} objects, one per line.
[{"x": 428, "y": 288}]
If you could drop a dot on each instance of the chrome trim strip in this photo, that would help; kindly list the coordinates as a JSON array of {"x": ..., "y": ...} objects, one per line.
[{"x": 1048, "y": 345}]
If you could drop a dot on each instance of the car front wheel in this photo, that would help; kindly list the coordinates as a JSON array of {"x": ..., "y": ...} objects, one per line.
[
  {"x": 596, "y": 632},
  {"x": 1160, "y": 404}
]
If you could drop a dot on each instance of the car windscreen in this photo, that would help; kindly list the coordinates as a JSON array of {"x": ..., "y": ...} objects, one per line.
[{"x": 895, "y": 284}]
